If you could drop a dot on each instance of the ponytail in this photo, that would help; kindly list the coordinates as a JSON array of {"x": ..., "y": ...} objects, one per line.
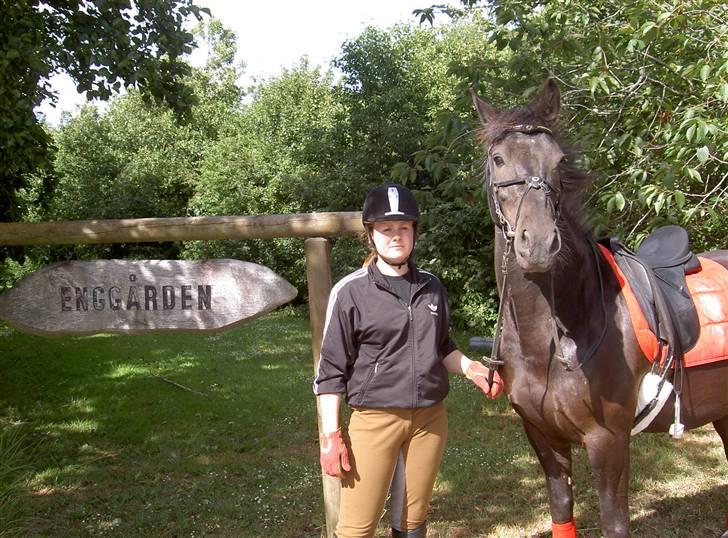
[
  {"x": 366, "y": 237},
  {"x": 370, "y": 258}
]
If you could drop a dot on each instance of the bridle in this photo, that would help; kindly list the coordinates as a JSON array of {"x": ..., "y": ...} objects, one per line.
[
  {"x": 531, "y": 182},
  {"x": 508, "y": 230}
]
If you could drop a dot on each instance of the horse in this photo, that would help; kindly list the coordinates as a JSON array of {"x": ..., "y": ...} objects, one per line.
[{"x": 566, "y": 346}]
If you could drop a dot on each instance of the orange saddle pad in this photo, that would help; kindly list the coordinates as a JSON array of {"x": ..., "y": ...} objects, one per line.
[{"x": 709, "y": 289}]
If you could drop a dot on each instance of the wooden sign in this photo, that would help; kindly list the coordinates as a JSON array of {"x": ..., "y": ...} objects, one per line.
[{"x": 122, "y": 296}]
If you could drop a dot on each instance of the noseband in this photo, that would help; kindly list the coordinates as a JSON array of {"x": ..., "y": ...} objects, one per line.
[{"x": 531, "y": 182}]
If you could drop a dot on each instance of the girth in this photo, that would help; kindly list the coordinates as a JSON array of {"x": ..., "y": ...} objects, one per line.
[{"x": 656, "y": 274}]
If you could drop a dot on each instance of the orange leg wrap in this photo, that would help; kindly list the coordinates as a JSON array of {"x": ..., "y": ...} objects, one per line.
[{"x": 563, "y": 530}]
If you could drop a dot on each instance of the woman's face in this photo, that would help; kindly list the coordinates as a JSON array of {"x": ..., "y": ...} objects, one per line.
[{"x": 394, "y": 239}]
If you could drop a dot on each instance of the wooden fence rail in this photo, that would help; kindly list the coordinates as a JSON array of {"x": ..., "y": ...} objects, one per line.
[{"x": 331, "y": 224}]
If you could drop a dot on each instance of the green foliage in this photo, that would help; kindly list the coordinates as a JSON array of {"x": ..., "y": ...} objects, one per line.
[
  {"x": 102, "y": 45},
  {"x": 646, "y": 94},
  {"x": 134, "y": 161},
  {"x": 274, "y": 157},
  {"x": 215, "y": 86}
]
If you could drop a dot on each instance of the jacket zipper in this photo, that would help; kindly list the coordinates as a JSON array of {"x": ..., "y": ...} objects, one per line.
[
  {"x": 412, "y": 348},
  {"x": 410, "y": 317},
  {"x": 411, "y": 331}
]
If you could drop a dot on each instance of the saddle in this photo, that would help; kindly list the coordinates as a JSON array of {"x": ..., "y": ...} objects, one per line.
[{"x": 656, "y": 273}]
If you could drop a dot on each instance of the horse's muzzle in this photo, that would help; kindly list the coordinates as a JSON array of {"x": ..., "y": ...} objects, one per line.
[{"x": 536, "y": 251}]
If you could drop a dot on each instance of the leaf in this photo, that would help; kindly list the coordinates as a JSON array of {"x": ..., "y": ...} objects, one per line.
[
  {"x": 593, "y": 83},
  {"x": 619, "y": 201},
  {"x": 702, "y": 129},
  {"x": 603, "y": 84},
  {"x": 646, "y": 27},
  {"x": 691, "y": 133},
  {"x": 703, "y": 154},
  {"x": 694, "y": 174},
  {"x": 722, "y": 92},
  {"x": 664, "y": 16},
  {"x": 704, "y": 72},
  {"x": 679, "y": 199}
]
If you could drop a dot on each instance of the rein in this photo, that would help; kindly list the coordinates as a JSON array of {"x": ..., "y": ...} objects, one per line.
[{"x": 509, "y": 234}]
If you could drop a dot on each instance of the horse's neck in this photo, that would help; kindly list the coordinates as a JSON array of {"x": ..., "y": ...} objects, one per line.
[{"x": 566, "y": 294}]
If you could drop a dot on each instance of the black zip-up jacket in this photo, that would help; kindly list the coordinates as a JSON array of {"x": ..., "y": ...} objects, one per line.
[{"x": 381, "y": 351}]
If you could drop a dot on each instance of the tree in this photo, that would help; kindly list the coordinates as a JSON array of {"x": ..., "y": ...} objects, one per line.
[
  {"x": 410, "y": 123},
  {"x": 103, "y": 45},
  {"x": 217, "y": 94},
  {"x": 645, "y": 91},
  {"x": 648, "y": 88},
  {"x": 276, "y": 155}
]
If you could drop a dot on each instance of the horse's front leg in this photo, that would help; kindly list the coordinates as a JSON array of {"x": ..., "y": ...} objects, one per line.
[
  {"x": 608, "y": 453},
  {"x": 556, "y": 464}
]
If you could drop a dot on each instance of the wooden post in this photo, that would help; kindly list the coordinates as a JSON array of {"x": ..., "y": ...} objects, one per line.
[{"x": 318, "y": 274}]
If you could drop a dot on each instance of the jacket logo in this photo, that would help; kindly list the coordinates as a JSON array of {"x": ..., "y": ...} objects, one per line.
[{"x": 433, "y": 309}]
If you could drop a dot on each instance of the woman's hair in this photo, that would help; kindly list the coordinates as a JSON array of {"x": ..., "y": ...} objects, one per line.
[
  {"x": 370, "y": 258},
  {"x": 365, "y": 237}
]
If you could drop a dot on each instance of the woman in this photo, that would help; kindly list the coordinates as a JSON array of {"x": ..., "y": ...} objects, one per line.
[{"x": 387, "y": 349}]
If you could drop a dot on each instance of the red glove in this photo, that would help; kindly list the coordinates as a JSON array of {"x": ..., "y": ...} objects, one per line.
[
  {"x": 334, "y": 456},
  {"x": 478, "y": 374}
]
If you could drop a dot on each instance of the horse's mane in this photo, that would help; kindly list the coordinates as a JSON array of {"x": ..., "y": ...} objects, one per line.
[{"x": 574, "y": 180}]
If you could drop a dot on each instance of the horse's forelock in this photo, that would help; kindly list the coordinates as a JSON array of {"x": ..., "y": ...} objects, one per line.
[{"x": 493, "y": 130}]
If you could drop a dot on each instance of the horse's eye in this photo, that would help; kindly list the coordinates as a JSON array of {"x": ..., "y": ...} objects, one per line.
[
  {"x": 564, "y": 160},
  {"x": 498, "y": 160}
]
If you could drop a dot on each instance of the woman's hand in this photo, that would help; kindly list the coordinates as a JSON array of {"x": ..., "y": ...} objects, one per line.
[
  {"x": 478, "y": 374},
  {"x": 333, "y": 454}
]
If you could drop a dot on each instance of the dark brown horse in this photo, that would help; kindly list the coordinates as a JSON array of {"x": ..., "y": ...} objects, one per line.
[{"x": 572, "y": 364}]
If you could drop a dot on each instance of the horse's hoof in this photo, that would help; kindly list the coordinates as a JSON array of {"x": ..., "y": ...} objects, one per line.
[{"x": 725, "y": 534}]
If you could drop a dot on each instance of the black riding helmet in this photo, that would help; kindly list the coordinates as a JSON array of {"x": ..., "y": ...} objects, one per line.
[
  {"x": 390, "y": 202},
  {"x": 387, "y": 203}
]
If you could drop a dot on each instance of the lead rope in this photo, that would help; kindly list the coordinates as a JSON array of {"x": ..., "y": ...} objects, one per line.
[
  {"x": 509, "y": 233},
  {"x": 494, "y": 362}
]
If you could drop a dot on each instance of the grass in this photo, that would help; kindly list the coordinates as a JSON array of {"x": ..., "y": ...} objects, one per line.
[
  {"x": 12, "y": 484},
  {"x": 106, "y": 445}
]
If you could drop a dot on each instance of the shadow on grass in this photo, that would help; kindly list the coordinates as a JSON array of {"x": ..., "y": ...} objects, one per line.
[
  {"x": 121, "y": 452},
  {"x": 491, "y": 484}
]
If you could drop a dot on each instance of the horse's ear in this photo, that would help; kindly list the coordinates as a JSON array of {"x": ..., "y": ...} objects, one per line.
[
  {"x": 548, "y": 103},
  {"x": 486, "y": 112}
]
